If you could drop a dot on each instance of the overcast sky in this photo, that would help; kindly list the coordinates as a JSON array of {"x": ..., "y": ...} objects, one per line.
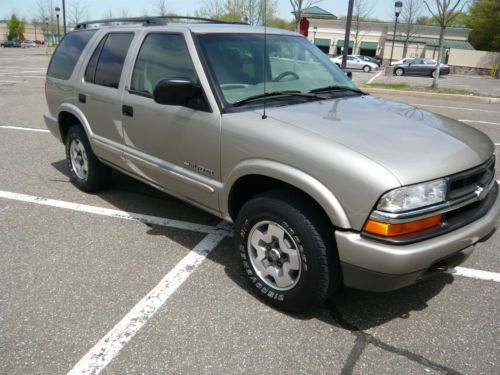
[{"x": 382, "y": 9}]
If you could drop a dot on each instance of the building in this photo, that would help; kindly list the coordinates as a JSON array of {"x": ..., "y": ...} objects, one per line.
[
  {"x": 376, "y": 38},
  {"x": 32, "y": 31}
]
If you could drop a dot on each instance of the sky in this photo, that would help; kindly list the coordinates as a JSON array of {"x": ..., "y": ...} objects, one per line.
[{"x": 381, "y": 9}]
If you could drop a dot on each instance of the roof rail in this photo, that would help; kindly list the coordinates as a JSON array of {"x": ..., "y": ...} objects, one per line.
[{"x": 150, "y": 20}]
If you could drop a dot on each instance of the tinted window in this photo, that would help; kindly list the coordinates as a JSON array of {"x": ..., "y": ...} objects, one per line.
[
  {"x": 161, "y": 56},
  {"x": 110, "y": 63},
  {"x": 67, "y": 53},
  {"x": 92, "y": 65}
]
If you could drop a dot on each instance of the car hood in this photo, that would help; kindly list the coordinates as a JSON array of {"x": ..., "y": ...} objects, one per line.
[{"x": 413, "y": 144}]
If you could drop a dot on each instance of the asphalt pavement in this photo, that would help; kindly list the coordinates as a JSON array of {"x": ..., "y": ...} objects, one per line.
[{"x": 131, "y": 280}]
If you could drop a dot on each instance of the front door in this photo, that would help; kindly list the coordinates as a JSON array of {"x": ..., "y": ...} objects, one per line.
[{"x": 175, "y": 147}]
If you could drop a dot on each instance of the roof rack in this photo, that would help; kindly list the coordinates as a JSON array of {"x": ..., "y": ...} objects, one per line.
[{"x": 150, "y": 20}]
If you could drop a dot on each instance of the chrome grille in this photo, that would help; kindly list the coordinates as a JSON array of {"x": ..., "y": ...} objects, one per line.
[{"x": 468, "y": 181}]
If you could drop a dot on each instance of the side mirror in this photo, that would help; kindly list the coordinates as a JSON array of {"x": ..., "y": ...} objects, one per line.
[{"x": 174, "y": 91}]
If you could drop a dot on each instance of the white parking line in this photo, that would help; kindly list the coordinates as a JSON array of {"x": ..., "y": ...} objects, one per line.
[
  {"x": 481, "y": 122},
  {"x": 146, "y": 219},
  {"x": 475, "y": 274},
  {"x": 22, "y": 128},
  {"x": 2, "y": 81},
  {"x": 375, "y": 77},
  {"x": 110, "y": 345},
  {"x": 461, "y": 108}
]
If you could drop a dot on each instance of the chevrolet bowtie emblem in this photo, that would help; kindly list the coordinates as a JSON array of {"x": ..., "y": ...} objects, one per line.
[{"x": 482, "y": 192}]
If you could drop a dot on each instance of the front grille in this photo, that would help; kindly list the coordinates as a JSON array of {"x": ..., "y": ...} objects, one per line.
[{"x": 468, "y": 181}]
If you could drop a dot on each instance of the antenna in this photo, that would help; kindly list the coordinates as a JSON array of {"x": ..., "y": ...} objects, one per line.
[{"x": 264, "y": 116}]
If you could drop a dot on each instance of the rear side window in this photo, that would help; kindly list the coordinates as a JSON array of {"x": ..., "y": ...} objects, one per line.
[
  {"x": 106, "y": 64},
  {"x": 161, "y": 56},
  {"x": 67, "y": 53}
]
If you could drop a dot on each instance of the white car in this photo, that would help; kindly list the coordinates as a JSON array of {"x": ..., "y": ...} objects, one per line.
[
  {"x": 354, "y": 62},
  {"x": 27, "y": 44}
]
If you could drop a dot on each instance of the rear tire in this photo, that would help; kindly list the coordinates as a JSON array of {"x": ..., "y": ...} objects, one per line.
[
  {"x": 87, "y": 172},
  {"x": 399, "y": 72},
  {"x": 366, "y": 69},
  {"x": 287, "y": 254}
]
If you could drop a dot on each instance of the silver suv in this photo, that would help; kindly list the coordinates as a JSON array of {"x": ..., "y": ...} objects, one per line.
[{"x": 327, "y": 186}]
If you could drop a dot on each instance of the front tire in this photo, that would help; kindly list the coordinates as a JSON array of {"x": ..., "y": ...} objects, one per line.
[
  {"x": 289, "y": 260},
  {"x": 366, "y": 69},
  {"x": 87, "y": 172}
]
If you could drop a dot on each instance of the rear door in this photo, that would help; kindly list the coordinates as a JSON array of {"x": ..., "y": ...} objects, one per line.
[{"x": 100, "y": 93}]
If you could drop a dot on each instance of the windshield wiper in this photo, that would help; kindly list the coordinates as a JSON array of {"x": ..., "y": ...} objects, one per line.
[
  {"x": 337, "y": 88},
  {"x": 278, "y": 93}
]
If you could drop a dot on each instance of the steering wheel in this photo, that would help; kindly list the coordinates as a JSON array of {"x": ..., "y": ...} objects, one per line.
[{"x": 284, "y": 74}]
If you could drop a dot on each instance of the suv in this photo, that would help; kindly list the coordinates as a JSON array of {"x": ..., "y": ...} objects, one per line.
[{"x": 326, "y": 185}]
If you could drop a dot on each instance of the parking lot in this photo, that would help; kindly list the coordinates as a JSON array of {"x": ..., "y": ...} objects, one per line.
[
  {"x": 484, "y": 85},
  {"x": 132, "y": 280}
]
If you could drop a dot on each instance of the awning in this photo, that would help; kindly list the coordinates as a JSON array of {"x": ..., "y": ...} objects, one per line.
[
  {"x": 434, "y": 42},
  {"x": 340, "y": 43},
  {"x": 369, "y": 46},
  {"x": 322, "y": 42}
]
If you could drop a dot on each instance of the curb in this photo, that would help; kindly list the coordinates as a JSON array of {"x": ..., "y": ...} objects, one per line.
[{"x": 420, "y": 94}]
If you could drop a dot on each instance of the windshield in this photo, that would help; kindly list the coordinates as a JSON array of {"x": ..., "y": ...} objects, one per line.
[{"x": 293, "y": 65}]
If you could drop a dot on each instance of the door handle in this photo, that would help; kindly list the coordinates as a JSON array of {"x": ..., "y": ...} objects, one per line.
[
  {"x": 127, "y": 110},
  {"x": 82, "y": 98}
]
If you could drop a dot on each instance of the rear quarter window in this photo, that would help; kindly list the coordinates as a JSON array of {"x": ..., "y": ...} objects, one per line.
[{"x": 67, "y": 53}]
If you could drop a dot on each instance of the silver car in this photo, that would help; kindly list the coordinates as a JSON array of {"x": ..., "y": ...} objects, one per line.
[
  {"x": 354, "y": 62},
  {"x": 326, "y": 185}
]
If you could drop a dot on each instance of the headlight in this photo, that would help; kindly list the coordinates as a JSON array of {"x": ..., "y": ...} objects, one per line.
[{"x": 412, "y": 197}]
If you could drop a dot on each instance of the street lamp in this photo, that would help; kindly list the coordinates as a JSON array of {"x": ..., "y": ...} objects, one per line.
[
  {"x": 398, "y": 5},
  {"x": 57, "y": 16},
  {"x": 315, "y": 29}
]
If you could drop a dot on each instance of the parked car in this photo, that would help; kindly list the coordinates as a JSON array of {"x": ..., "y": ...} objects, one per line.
[
  {"x": 9, "y": 44},
  {"x": 402, "y": 61},
  {"x": 368, "y": 58},
  {"x": 28, "y": 44},
  {"x": 356, "y": 63},
  {"x": 40, "y": 42},
  {"x": 326, "y": 185},
  {"x": 420, "y": 67}
]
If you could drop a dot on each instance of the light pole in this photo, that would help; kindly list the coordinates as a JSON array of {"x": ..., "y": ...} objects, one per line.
[
  {"x": 64, "y": 16},
  {"x": 398, "y": 5},
  {"x": 315, "y": 29},
  {"x": 47, "y": 35},
  {"x": 57, "y": 16}
]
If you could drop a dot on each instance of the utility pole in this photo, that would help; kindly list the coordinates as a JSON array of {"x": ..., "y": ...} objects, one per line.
[
  {"x": 64, "y": 15},
  {"x": 348, "y": 22}
]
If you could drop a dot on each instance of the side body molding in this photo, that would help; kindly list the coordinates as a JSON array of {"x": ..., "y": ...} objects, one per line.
[{"x": 292, "y": 176}]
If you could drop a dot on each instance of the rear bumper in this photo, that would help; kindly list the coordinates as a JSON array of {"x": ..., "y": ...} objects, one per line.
[
  {"x": 52, "y": 125},
  {"x": 371, "y": 265}
]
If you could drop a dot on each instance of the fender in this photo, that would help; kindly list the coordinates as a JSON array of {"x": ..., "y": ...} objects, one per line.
[
  {"x": 75, "y": 111},
  {"x": 308, "y": 184}
]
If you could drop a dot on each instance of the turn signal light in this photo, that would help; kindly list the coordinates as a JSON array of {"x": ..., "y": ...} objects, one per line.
[{"x": 393, "y": 230}]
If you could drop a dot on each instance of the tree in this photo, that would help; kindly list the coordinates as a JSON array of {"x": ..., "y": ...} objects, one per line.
[
  {"x": 16, "y": 28},
  {"x": 298, "y": 7},
  {"x": 160, "y": 8},
  {"x": 212, "y": 9},
  {"x": 361, "y": 11},
  {"x": 444, "y": 12},
  {"x": 45, "y": 16},
  {"x": 484, "y": 21},
  {"x": 409, "y": 15},
  {"x": 76, "y": 12},
  {"x": 459, "y": 20}
]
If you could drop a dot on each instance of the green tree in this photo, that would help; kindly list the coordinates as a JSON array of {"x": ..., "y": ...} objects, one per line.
[
  {"x": 484, "y": 21},
  {"x": 16, "y": 28},
  {"x": 458, "y": 19}
]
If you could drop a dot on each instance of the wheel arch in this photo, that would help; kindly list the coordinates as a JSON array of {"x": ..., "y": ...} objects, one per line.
[
  {"x": 253, "y": 177},
  {"x": 69, "y": 114}
]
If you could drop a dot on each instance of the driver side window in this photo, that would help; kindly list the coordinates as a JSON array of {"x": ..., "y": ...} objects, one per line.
[{"x": 161, "y": 56}]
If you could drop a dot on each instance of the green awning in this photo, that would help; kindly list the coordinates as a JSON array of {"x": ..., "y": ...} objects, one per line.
[
  {"x": 369, "y": 46},
  {"x": 340, "y": 43},
  {"x": 322, "y": 42},
  {"x": 434, "y": 42}
]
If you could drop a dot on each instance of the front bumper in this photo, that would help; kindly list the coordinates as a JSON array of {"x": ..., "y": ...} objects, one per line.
[{"x": 372, "y": 265}]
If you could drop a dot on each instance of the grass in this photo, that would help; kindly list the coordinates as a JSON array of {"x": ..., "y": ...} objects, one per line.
[{"x": 406, "y": 87}]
